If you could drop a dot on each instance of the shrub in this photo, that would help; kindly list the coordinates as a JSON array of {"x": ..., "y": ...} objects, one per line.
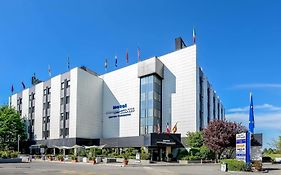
[
  {"x": 144, "y": 155},
  {"x": 73, "y": 157},
  {"x": 196, "y": 157},
  {"x": 194, "y": 152},
  {"x": 60, "y": 157},
  {"x": 234, "y": 165},
  {"x": 14, "y": 154},
  {"x": 182, "y": 154},
  {"x": 8, "y": 154},
  {"x": 206, "y": 153}
]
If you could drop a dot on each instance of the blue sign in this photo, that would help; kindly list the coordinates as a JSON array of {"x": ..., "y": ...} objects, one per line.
[
  {"x": 120, "y": 111},
  {"x": 241, "y": 146}
]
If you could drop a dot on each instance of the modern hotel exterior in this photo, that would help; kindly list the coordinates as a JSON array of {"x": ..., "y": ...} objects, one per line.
[{"x": 127, "y": 107}]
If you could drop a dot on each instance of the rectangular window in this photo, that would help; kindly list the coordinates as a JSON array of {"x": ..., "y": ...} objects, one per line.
[
  {"x": 68, "y": 83},
  {"x": 61, "y": 116},
  {"x": 66, "y": 115},
  {"x": 67, "y": 99},
  {"x": 62, "y": 85}
]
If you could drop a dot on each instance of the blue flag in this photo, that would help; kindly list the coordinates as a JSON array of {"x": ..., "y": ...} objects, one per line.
[{"x": 251, "y": 115}]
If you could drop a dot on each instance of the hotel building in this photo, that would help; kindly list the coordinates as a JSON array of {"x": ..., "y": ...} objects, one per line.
[{"x": 128, "y": 107}]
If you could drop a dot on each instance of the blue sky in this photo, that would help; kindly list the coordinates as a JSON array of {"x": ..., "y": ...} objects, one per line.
[{"x": 238, "y": 44}]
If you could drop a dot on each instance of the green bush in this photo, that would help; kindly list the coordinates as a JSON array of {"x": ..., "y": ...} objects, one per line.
[
  {"x": 206, "y": 153},
  {"x": 144, "y": 155},
  {"x": 8, "y": 154},
  {"x": 234, "y": 165},
  {"x": 182, "y": 154},
  {"x": 185, "y": 158},
  {"x": 196, "y": 157},
  {"x": 194, "y": 152}
]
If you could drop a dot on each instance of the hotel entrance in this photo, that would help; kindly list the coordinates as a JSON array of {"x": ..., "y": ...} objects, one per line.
[{"x": 163, "y": 145}]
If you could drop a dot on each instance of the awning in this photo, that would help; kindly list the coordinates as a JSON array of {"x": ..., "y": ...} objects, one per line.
[{"x": 95, "y": 146}]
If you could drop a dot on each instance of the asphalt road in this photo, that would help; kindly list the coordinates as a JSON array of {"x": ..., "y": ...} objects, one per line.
[{"x": 56, "y": 168}]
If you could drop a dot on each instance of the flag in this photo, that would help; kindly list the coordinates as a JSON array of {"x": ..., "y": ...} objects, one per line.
[
  {"x": 115, "y": 61},
  {"x": 193, "y": 36},
  {"x": 175, "y": 128},
  {"x": 105, "y": 64},
  {"x": 49, "y": 70},
  {"x": 127, "y": 56},
  {"x": 12, "y": 88},
  {"x": 168, "y": 130},
  {"x": 251, "y": 115},
  {"x": 23, "y": 85},
  {"x": 68, "y": 63},
  {"x": 139, "y": 54}
]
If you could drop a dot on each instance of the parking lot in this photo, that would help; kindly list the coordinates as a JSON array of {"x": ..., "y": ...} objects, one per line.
[{"x": 57, "y": 168}]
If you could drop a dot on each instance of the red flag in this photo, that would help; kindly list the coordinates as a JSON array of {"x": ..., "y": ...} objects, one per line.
[
  {"x": 127, "y": 56},
  {"x": 12, "y": 88},
  {"x": 139, "y": 54},
  {"x": 168, "y": 130}
]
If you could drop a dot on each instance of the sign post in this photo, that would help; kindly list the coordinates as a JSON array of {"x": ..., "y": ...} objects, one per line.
[{"x": 241, "y": 146}]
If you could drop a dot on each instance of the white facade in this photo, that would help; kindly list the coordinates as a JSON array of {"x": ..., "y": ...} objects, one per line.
[{"x": 87, "y": 106}]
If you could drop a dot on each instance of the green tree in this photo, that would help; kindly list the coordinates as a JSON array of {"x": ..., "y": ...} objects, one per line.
[
  {"x": 277, "y": 145},
  {"x": 11, "y": 126},
  {"x": 194, "y": 139}
]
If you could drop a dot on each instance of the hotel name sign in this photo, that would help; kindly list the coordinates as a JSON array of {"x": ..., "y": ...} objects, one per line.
[{"x": 121, "y": 110}]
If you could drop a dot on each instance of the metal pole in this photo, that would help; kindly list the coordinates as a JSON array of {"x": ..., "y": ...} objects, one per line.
[{"x": 18, "y": 143}]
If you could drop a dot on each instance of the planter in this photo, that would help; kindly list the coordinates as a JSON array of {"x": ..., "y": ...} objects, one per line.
[
  {"x": 93, "y": 161},
  {"x": 85, "y": 160},
  {"x": 183, "y": 161},
  {"x": 145, "y": 161}
]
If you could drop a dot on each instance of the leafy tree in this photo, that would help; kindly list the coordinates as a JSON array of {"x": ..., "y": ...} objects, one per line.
[
  {"x": 11, "y": 126},
  {"x": 194, "y": 139},
  {"x": 277, "y": 144},
  {"x": 220, "y": 135}
]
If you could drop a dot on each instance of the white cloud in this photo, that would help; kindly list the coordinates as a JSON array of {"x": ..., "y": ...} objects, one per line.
[
  {"x": 264, "y": 107},
  {"x": 257, "y": 85},
  {"x": 269, "y": 120}
]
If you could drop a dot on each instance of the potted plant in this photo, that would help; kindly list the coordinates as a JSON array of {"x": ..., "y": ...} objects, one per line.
[
  {"x": 74, "y": 158},
  {"x": 92, "y": 160},
  {"x": 49, "y": 156},
  {"x": 60, "y": 157},
  {"x": 125, "y": 156}
]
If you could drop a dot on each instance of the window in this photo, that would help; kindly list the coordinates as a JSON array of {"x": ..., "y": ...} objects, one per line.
[
  {"x": 62, "y": 85},
  {"x": 61, "y": 101},
  {"x": 68, "y": 83},
  {"x": 150, "y": 98},
  {"x": 61, "y": 116},
  {"x": 66, "y": 115},
  {"x": 66, "y": 131},
  {"x": 67, "y": 99}
]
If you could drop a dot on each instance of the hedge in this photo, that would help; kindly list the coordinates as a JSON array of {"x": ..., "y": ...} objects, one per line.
[{"x": 234, "y": 165}]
